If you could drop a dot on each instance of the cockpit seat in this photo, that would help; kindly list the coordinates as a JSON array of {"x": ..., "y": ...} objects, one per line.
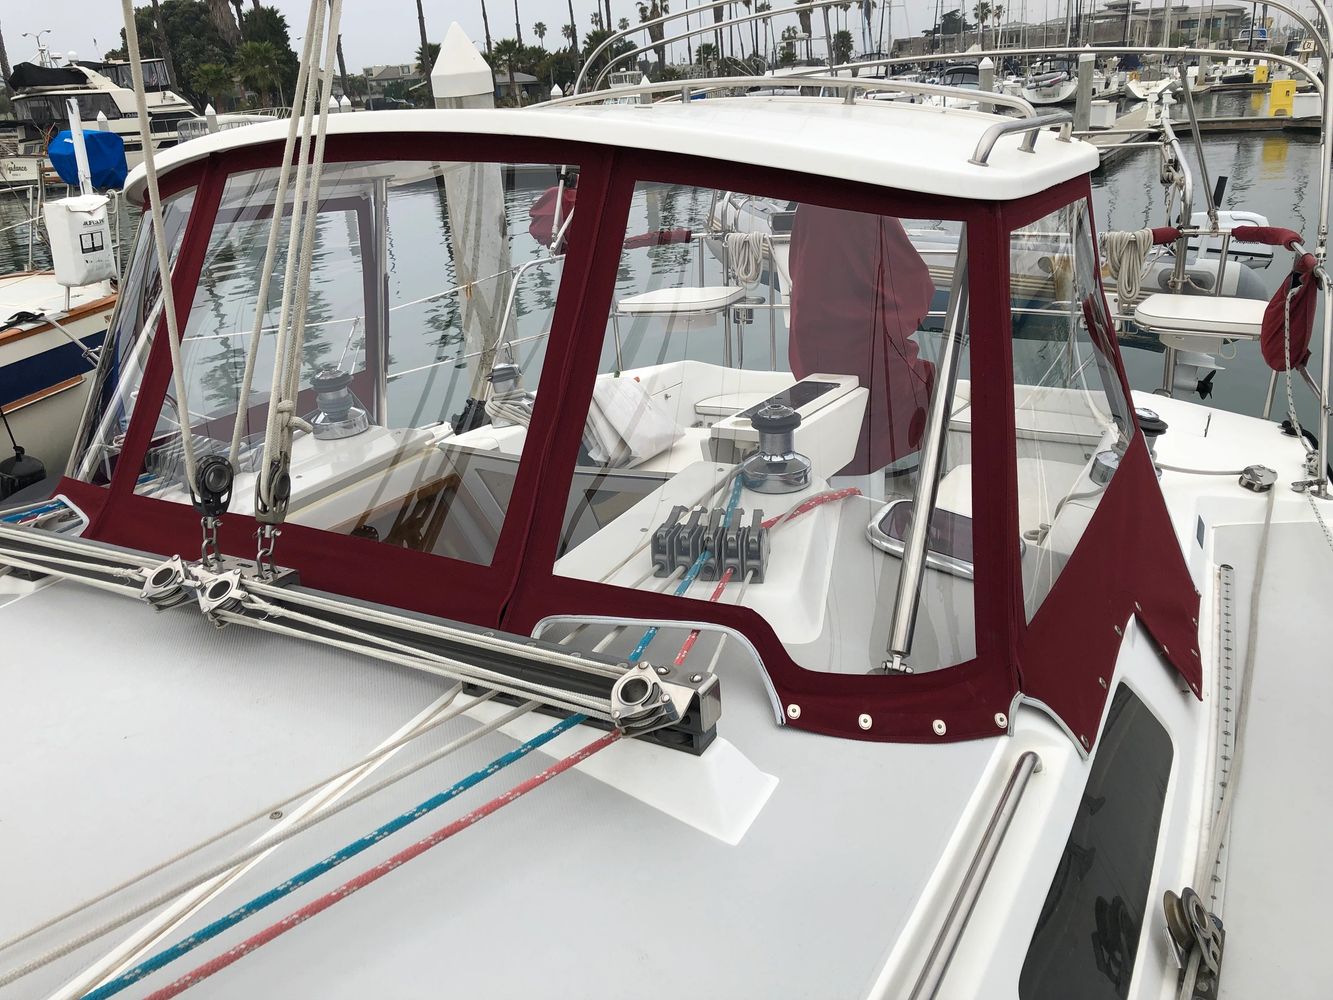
[
  {"x": 689, "y": 300},
  {"x": 1200, "y": 322}
]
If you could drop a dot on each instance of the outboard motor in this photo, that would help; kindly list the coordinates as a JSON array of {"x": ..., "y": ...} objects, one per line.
[{"x": 1195, "y": 372}]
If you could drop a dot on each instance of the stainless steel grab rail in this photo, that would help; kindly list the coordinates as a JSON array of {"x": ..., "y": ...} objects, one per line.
[
  {"x": 1029, "y": 126},
  {"x": 965, "y": 899},
  {"x": 685, "y": 88}
]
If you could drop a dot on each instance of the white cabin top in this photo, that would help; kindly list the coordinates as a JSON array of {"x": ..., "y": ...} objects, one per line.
[{"x": 906, "y": 146}]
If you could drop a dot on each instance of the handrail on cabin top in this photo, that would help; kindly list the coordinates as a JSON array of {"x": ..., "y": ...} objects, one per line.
[{"x": 1029, "y": 126}]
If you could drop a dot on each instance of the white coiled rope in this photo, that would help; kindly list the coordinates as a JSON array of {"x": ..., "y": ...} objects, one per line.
[
  {"x": 745, "y": 254},
  {"x": 1126, "y": 253},
  {"x": 513, "y": 405}
]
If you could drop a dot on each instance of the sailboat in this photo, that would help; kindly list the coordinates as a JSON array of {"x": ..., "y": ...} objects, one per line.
[{"x": 436, "y": 598}]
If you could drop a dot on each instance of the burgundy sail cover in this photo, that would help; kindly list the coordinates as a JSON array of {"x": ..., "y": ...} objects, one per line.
[
  {"x": 1272, "y": 338},
  {"x": 859, "y": 290}
]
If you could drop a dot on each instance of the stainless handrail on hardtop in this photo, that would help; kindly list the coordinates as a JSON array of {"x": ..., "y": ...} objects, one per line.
[
  {"x": 1031, "y": 123},
  {"x": 684, "y": 89},
  {"x": 1028, "y": 126}
]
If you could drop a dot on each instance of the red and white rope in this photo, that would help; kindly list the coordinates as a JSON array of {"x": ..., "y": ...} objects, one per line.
[{"x": 294, "y": 919}]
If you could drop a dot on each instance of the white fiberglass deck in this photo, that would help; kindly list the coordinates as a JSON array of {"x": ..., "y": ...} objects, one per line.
[
  {"x": 39, "y": 292},
  {"x": 1277, "y": 881},
  {"x": 139, "y": 734}
]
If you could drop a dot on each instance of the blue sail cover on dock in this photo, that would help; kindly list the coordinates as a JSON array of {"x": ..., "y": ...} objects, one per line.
[{"x": 106, "y": 158}]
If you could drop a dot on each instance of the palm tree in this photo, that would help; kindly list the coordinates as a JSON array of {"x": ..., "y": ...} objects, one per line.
[
  {"x": 997, "y": 19},
  {"x": 754, "y": 26},
  {"x": 424, "y": 50},
  {"x": 518, "y": 26},
  {"x": 258, "y": 67},
  {"x": 649, "y": 12},
  {"x": 342, "y": 63},
  {"x": 623, "y": 24},
  {"x": 539, "y": 29},
  {"x": 214, "y": 81},
  {"x": 4, "y": 57},
  {"x": 426, "y": 59},
  {"x": 506, "y": 51},
  {"x": 982, "y": 13},
  {"x": 573, "y": 33},
  {"x": 485, "y": 25},
  {"x": 804, "y": 16},
  {"x": 842, "y": 46}
]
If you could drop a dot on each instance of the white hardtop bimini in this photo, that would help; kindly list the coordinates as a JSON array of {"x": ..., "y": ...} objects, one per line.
[{"x": 906, "y": 146}]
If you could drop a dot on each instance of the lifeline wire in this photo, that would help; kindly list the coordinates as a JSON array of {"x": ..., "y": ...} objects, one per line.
[
  {"x": 300, "y": 916},
  {"x": 186, "y": 945}
]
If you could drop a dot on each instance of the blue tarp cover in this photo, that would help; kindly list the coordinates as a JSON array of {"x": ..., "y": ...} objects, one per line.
[{"x": 106, "y": 158}]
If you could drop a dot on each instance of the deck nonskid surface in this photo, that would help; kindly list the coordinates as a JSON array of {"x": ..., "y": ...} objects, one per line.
[
  {"x": 1278, "y": 879},
  {"x": 137, "y": 734}
]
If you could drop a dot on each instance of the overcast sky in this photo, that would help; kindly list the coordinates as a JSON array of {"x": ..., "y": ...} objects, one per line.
[{"x": 375, "y": 31}]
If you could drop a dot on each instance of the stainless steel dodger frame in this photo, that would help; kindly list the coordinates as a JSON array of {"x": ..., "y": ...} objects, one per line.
[{"x": 823, "y": 6}]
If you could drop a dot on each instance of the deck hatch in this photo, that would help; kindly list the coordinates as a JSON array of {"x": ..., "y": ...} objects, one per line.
[{"x": 1087, "y": 936}]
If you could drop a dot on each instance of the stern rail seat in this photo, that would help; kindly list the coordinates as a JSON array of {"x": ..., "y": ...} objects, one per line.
[{"x": 1200, "y": 322}]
